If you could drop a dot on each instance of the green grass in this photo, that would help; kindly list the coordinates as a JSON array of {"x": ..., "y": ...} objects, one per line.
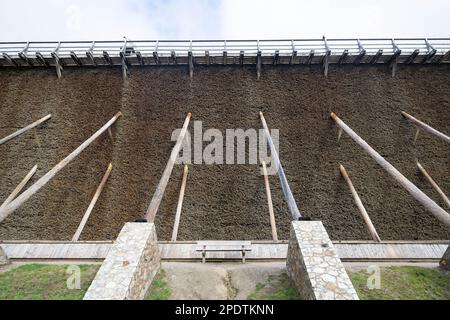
[
  {"x": 158, "y": 289},
  {"x": 44, "y": 282},
  {"x": 276, "y": 287},
  {"x": 404, "y": 283}
]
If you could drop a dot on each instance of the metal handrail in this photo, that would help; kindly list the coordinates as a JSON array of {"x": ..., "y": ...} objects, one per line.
[{"x": 232, "y": 47}]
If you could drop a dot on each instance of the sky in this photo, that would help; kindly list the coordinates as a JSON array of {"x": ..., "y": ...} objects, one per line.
[{"x": 30, "y": 20}]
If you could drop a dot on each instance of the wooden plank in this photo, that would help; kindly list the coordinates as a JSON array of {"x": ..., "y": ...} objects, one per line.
[
  {"x": 289, "y": 197},
  {"x": 269, "y": 203},
  {"x": 434, "y": 184},
  {"x": 19, "y": 187},
  {"x": 426, "y": 127},
  {"x": 157, "y": 196},
  {"x": 86, "y": 215},
  {"x": 180, "y": 204},
  {"x": 373, "y": 232},
  {"x": 16, "y": 203},
  {"x": 417, "y": 194},
  {"x": 25, "y": 129}
]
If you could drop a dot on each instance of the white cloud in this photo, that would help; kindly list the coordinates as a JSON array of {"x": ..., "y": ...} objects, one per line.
[{"x": 232, "y": 19}]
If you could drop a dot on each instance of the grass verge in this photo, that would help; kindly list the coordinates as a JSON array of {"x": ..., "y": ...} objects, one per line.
[
  {"x": 403, "y": 283},
  {"x": 277, "y": 287},
  {"x": 158, "y": 289},
  {"x": 45, "y": 282}
]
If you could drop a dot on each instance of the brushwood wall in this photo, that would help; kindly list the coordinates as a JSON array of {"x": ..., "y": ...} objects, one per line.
[{"x": 224, "y": 201}]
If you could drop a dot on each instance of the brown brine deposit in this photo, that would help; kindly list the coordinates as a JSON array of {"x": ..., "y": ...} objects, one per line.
[{"x": 224, "y": 201}]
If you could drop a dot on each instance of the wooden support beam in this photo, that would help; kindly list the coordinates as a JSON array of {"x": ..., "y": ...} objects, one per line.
[
  {"x": 293, "y": 57},
  {"x": 107, "y": 58},
  {"x": 241, "y": 58},
  {"x": 25, "y": 129},
  {"x": 310, "y": 57},
  {"x": 273, "y": 225},
  {"x": 343, "y": 57},
  {"x": 376, "y": 57},
  {"x": 412, "y": 57},
  {"x": 24, "y": 57},
  {"x": 157, "y": 196},
  {"x": 75, "y": 58},
  {"x": 10, "y": 60},
  {"x": 225, "y": 55},
  {"x": 444, "y": 57},
  {"x": 430, "y": 55},
  {"x": 97, "y": 193},
  {"x": 156, "y": 57},
  {"x": 434, "y": 184},
  {"x": 417, "y": 194},
  {"x": 180, "y": 204},
  {"x": 373, "y": 232},
  {"x": 19, "y": 187},
  {"x": 360, "y": 56},
  {"x": 258, "y": 64},
  {"x": 16, "y": 203},
  {"x": 207, "y": 58},
  {"x": 191, "y": 64},
  {"x": 173, "y": 56},
  {"x": 140, "y": 58},
  {"x": 325, "y": 63},
  {"x": 41, "y": 59},
  {"x": 276, "y": 57},
  {"x": 393, "y": 61},
  {"x": 90, "y": 55},
  {"x": 58, "y": 64},
  {"x": 426, "y": 127},
  {"x": 289, "y": 197}
]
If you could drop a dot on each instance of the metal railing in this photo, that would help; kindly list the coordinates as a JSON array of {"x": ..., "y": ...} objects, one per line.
[{"x": 231, "y": 47}]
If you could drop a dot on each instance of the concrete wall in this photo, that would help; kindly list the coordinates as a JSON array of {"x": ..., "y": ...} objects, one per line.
[
  {"x": 129, "y": 267},
  {"x": 314, "y": 266}
]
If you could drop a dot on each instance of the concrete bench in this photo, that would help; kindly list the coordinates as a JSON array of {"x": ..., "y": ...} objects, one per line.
[{"x": 223, "y": 246}]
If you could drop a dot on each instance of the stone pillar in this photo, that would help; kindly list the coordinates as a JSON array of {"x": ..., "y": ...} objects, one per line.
[
  {"x": 3, "y": 258},
  {"x": 313, "y": 265},
  {"x": 130, "y": 265},
  {"x": 445, "y": 261}
]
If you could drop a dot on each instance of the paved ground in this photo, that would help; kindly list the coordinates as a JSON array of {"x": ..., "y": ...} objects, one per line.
[{"x": 224, "y": 281}]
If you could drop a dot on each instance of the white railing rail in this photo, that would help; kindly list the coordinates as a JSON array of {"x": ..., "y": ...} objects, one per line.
[{"x": 231, "y": 47}]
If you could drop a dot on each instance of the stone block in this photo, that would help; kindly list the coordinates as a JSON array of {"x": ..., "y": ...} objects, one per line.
[
  {"x": 313, "y": 265},
  {"x": 130, "y": 265},
  {"x": 445, "y": 261},
  {"x": 3, "y": 258}
]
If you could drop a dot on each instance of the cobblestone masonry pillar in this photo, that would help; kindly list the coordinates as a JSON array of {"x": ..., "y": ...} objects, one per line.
[
  {"x": 130, "y": 265},
  {"x": 445, "y": 261},
  {"x": 313, "y": 265},
  {"x": 3, "y": 258}
]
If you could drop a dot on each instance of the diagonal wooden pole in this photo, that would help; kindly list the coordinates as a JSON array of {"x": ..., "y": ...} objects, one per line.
[
  {"x": 16, "y": 203},
  {"x": 85, "y": 218},
  {"x": 157, "y": 196},
  {"x": 25, "y": 129},
  {"x": 359, "y": 204},
  {"x": 269, "y": 203},
  {"x": 417, "y": 194},
  {"x": 180, "y": 204},
  {"x": 425, "y": 127},
  {"x": 434, "y": 184},
  {"x": 19, "y": 187},
  {"x": 289, "y": 197}
]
